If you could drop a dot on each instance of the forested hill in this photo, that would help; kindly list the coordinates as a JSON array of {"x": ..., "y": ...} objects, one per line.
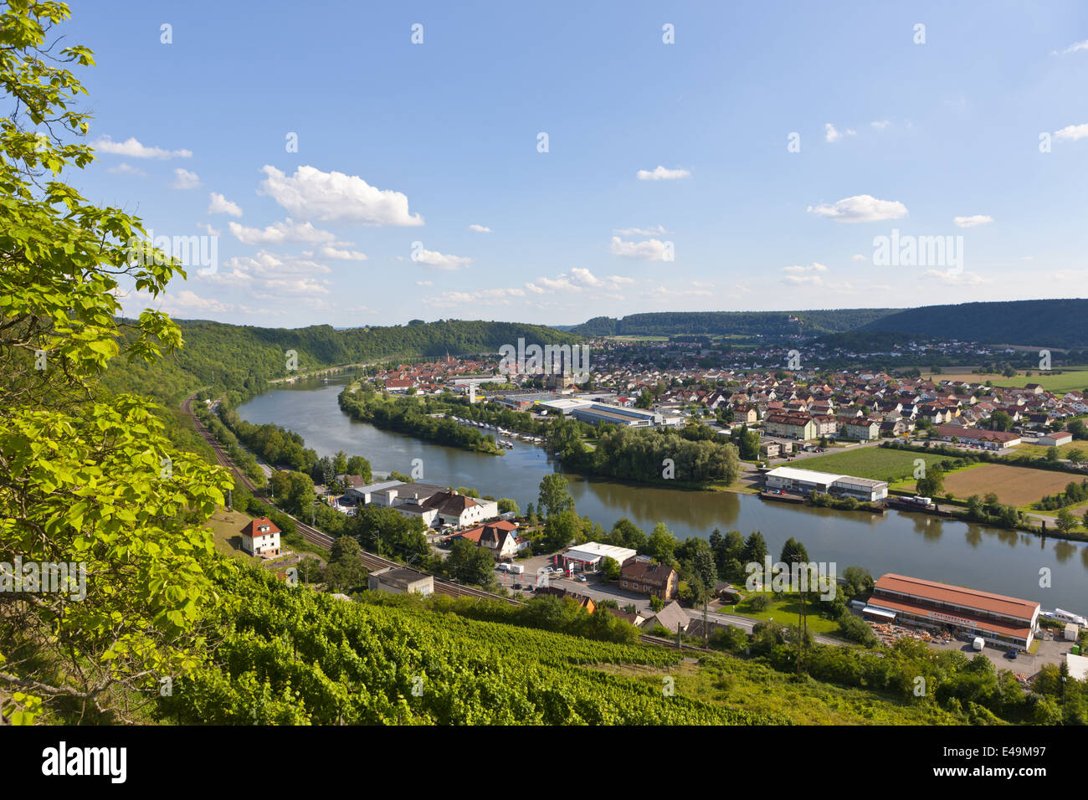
[
  {"x": 1056, "y": 323},
  {"x": 242, "y": 358},
  {"x": 742, "y": 323}
]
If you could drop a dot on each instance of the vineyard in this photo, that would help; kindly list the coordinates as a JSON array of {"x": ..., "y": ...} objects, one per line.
[{"x": 288, "y": 655}]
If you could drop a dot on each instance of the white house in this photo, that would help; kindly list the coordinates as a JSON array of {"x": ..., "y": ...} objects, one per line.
[{"x": 261, "y": 537}]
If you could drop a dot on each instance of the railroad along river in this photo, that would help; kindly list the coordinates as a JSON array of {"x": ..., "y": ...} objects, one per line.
[{"x": 995, "y": 560}]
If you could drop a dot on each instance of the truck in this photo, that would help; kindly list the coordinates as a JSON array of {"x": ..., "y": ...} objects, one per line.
[
  {"x": 978, "y": 643},
  {"x": 517, "y": 569}
]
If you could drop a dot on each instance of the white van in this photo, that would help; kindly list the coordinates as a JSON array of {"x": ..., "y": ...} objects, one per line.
[
  {"x": 503, "y": 567},
  {"x": 517, "y": 569},
  {"x": 978, "y": 643}
]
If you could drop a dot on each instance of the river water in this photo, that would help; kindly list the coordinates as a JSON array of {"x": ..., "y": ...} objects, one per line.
[{"x": 995, "y": 560}]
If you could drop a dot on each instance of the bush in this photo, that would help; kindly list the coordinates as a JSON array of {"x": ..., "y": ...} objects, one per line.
[{"x": 759, "y": 602}]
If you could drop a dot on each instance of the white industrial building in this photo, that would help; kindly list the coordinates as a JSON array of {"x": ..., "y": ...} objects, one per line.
[{"x": 806, "y": 481}]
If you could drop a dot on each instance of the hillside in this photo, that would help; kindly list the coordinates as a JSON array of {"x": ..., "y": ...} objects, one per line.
[
  {"x": 293, "y": 656},
  {"x": 1038, "y": 323},
  {"x": 732, "y": 323},
  {"x": 1041, "y": 323},
  {"x": 242, "y": 358}
]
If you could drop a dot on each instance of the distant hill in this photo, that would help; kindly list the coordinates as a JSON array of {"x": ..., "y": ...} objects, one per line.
[
  {"x": 736, "y": 323},
  {"x": 242, "y": 358},
  {"x": 1036, "y": 323},
  {"x": 1055, "y": 323}
]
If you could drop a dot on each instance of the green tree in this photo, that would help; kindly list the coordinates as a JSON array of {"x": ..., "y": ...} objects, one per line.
[
  {"x": 560, "y": 530},
  {"x": 554, "y": 495},
  {"x": 793, "y": 552},
  {"x": 1000, "y": 421},
  {"x": 755, "y": 548},
  {"x": 470, "y": 563},
  {"x": 627, "y": 534},
  {"x": 1065, "y": 521},
  {"x": 610, "y": 568},
  {"x": 661, "y": 544},
  {"x": 508, "y": 506},
  {"x": 389, "y": 533},
  {"x": 346, "y": 571},
  {"x": 1052, "y": 454},
  {"x": 932, "y": 484},
  {"x": 357, "y": 465},
  {"x": 294, "y": 492},
  {"x": 85, "y": 478}
]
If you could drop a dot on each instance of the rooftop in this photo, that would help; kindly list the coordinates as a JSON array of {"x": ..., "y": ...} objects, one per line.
[{"x": 958, "y": 595}]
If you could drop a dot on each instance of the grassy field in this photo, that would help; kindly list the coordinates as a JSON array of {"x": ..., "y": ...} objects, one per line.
[
  {"x": 1038, "y": 451},
  {"x": 876, "y": 463},
  {"x": 785, "y": 610},
  {"x": 226, "y": 527},
  {"x": 1014, "y": 486},
  {"x": 756, "y": 688},
  {"x": 1066, "y": 380}
]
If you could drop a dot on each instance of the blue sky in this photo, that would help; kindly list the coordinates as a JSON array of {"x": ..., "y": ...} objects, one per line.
[{"x": 403, "y": 147}]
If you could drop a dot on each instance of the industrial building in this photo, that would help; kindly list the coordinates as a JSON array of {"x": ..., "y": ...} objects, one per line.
[
  {"x": 940, "y": 606},
  {"x": 807, "y": 481},
  {"x": 601, "y": 414}
]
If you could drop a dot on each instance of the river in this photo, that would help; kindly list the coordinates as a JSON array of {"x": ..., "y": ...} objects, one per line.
[{"x": 1008, "y": 562}]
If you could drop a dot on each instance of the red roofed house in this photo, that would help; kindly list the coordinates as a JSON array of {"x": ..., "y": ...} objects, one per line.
[
  {"x": 498, "y": 537},
  {"x": 261, "y": 537}
]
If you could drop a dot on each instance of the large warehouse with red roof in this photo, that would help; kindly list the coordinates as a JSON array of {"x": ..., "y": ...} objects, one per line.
[{"x": 918, "y": 602}]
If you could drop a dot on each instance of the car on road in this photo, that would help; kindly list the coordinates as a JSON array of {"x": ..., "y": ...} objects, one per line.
[
  {"x": 1011, "y": 654},
  {"x": 581, "y": 578},
  {"x": 502, "y": 567},
  {"x": 517, "y": 585}
]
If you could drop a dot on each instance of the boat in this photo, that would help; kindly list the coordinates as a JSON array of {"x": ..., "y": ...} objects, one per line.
[{"x": 781, "y": 497}]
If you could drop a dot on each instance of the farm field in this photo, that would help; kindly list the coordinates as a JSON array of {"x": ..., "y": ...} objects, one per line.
[
  {"x": 1038, "y": 451},
  {"x": 876, "y": 463},
  {"x": 1066, "y": 380},
  {"x": 1015, "y": 486}
]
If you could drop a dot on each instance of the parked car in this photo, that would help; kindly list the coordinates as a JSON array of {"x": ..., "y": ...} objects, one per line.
[
  {"x": 1011, "y": 653},
  {"x": 581, "y": 578},
  {"x": 502, "y": 567},
  {"x": 517, "y": 585}
]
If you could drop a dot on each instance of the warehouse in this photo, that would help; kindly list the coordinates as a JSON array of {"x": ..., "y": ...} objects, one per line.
[
  {"x": 940, "y": 606},
  {"x": 807, "y": 481},
  {"x": 601, "y": 414}
]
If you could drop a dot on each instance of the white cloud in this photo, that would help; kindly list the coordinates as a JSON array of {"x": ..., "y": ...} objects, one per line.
[
  {"x": 860, "y": 208},
  {"x": 132, "y": 148},
  {"x": 1072, "y": 132},
  {"x": 479, "y": 228},
  {"x": 280, "y": 232},
  {"x": 269, "y": 276},
  {"x": 221, "y": 205},
  {"x": 1076, "y": 47},
  {"x": 432, "y": 258},
  {"x": 954, "y": 277},
  {"x": 808, "y": 274},
  {"x": 879, "y": 124},
  {"x": 341, "y": 255},
  {"x": 660, "y": 173},
  {"x": 859, "y": 257},
  {"x": 832, "y": 134},
  {"x": 485, "y": 297},
  {"x": 208, "y": 229},
  {"x": 424, "y": 283},
  {"x": 187, "y": 299},
  {"x": 313, "y": 194},
  {"x": 184, "y": 179},
  {"x": 578, "y": 279},
  {"x": 648, "y": 249},
  {"x": 972, "y": 221},
  {"x": 125, "y": 168},
  {"x": 653, "y": 230}
]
